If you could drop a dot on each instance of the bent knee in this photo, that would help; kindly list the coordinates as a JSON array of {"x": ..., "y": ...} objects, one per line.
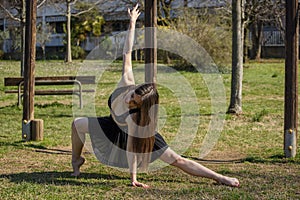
[
  {"x": 80, "y": 124},
  {"x": 170, "y": 157}
]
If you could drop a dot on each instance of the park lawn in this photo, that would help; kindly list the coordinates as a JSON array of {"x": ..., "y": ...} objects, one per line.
[{"x": 249, "y": 147}]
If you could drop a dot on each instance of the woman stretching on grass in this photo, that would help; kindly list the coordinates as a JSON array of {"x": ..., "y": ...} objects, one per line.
[{"x": 127, "y": 138}]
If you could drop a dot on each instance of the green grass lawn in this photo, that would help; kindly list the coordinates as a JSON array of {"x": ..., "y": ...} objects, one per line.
[{"x": 250, "y": 146}]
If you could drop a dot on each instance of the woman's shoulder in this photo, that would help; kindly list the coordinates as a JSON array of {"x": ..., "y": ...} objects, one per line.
[
  {"x": 123, "y": 89},
  {"x": 119, "y": 91},
  {"x": 119, "y": 110},
  {"x": 116, "y": 99}
]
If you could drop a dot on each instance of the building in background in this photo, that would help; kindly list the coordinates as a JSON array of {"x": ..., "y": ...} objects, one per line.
[{"x": 116, "y": 20}]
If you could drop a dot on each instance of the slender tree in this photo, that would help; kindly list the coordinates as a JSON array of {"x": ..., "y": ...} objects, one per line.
[
  {"x": 68, "y": 14},
  {"x": 44, "y": 32},
  {"x": 86, "y": 9},
  {"x": 237, "y": 58}
]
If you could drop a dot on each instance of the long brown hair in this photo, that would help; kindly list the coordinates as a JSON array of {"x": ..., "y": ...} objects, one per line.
[{"x": 146, "y": 120}]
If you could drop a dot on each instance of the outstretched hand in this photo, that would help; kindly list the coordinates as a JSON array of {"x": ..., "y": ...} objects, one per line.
[
  {"x": 138, "y": 184},
  {"x": 134, "y": 13}
]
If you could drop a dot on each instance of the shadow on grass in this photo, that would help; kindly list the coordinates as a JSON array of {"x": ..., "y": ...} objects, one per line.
[
  {"x": 18, "y": 144},
  {"x": 12, "y": 106},
  {"x": 54, "y": 104},
  {"x": 251, "y": 159},
  {"x": 273, "y": 159},
  {"x": 54, "y": 109},
  {"x": 62, "y": 178},
  {"x": 37, "y": 148}
]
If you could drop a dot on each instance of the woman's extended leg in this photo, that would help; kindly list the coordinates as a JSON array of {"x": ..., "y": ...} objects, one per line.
[
  {"x": 79, "y": 129},
  {"x": 193, "y": 168}
]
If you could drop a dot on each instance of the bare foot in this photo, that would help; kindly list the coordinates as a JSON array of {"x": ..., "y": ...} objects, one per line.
[
  {"x": 233, "y": 182},
  {"x": 76, "y": 166}
]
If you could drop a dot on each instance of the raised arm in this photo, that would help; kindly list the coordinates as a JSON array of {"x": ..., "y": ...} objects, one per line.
[{"x": 127, "y": 74}]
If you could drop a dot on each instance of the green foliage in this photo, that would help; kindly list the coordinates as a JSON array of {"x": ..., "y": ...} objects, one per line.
[
  {"x": 259, "y": 115},
  {"x": 164, "y": 12},
  {"x": 4, "y": 35},
  {"x": 96, "y": 25},
  {"x": 86, "y": 24},
  {"x": 78, "y": 52},
  {"x": 90, "y": 25},
  {"x": 211, "y": 30},
  {"x": 15, "y": 36}
]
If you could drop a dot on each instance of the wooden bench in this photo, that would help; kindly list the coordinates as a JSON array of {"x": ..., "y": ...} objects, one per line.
[{"x": 50, "y": 81}]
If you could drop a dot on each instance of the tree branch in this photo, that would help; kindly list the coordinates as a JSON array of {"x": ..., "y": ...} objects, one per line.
[
  {"x": 9, "y": 14},
  {"x": 38, "y": 6},
  {"x": 85, "y": 11}
]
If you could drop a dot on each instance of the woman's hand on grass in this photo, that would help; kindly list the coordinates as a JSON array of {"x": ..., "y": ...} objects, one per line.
[{"x": 138, "y": 184}]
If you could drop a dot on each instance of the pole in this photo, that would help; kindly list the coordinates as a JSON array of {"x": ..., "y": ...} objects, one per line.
[
  {"x": 29, "y": 68},
  {"x": 150, "y": 40},
  {"x": 291, "y": 79}
]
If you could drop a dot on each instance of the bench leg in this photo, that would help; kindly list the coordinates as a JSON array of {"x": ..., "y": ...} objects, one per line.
[
  {"x": 80, "y": 101},
  {"x": 79, "y": 94},
  {"x": 19, "y": 93},
  {"x": 20, "y": 99}
]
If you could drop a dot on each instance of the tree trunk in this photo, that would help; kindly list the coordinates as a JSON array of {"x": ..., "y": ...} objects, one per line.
[
  {"x": 246, "y": 45},
  {"x": 166, "y": 57},
  {"x": 44, "y": 51},
  {"x": 237, "y": 58},
  {"x": 256, "y": 32},
  {"x": 69, "y": 51}
]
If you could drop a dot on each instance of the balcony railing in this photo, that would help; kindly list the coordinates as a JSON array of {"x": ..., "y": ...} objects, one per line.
[{"x": 272, "y": 38}]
